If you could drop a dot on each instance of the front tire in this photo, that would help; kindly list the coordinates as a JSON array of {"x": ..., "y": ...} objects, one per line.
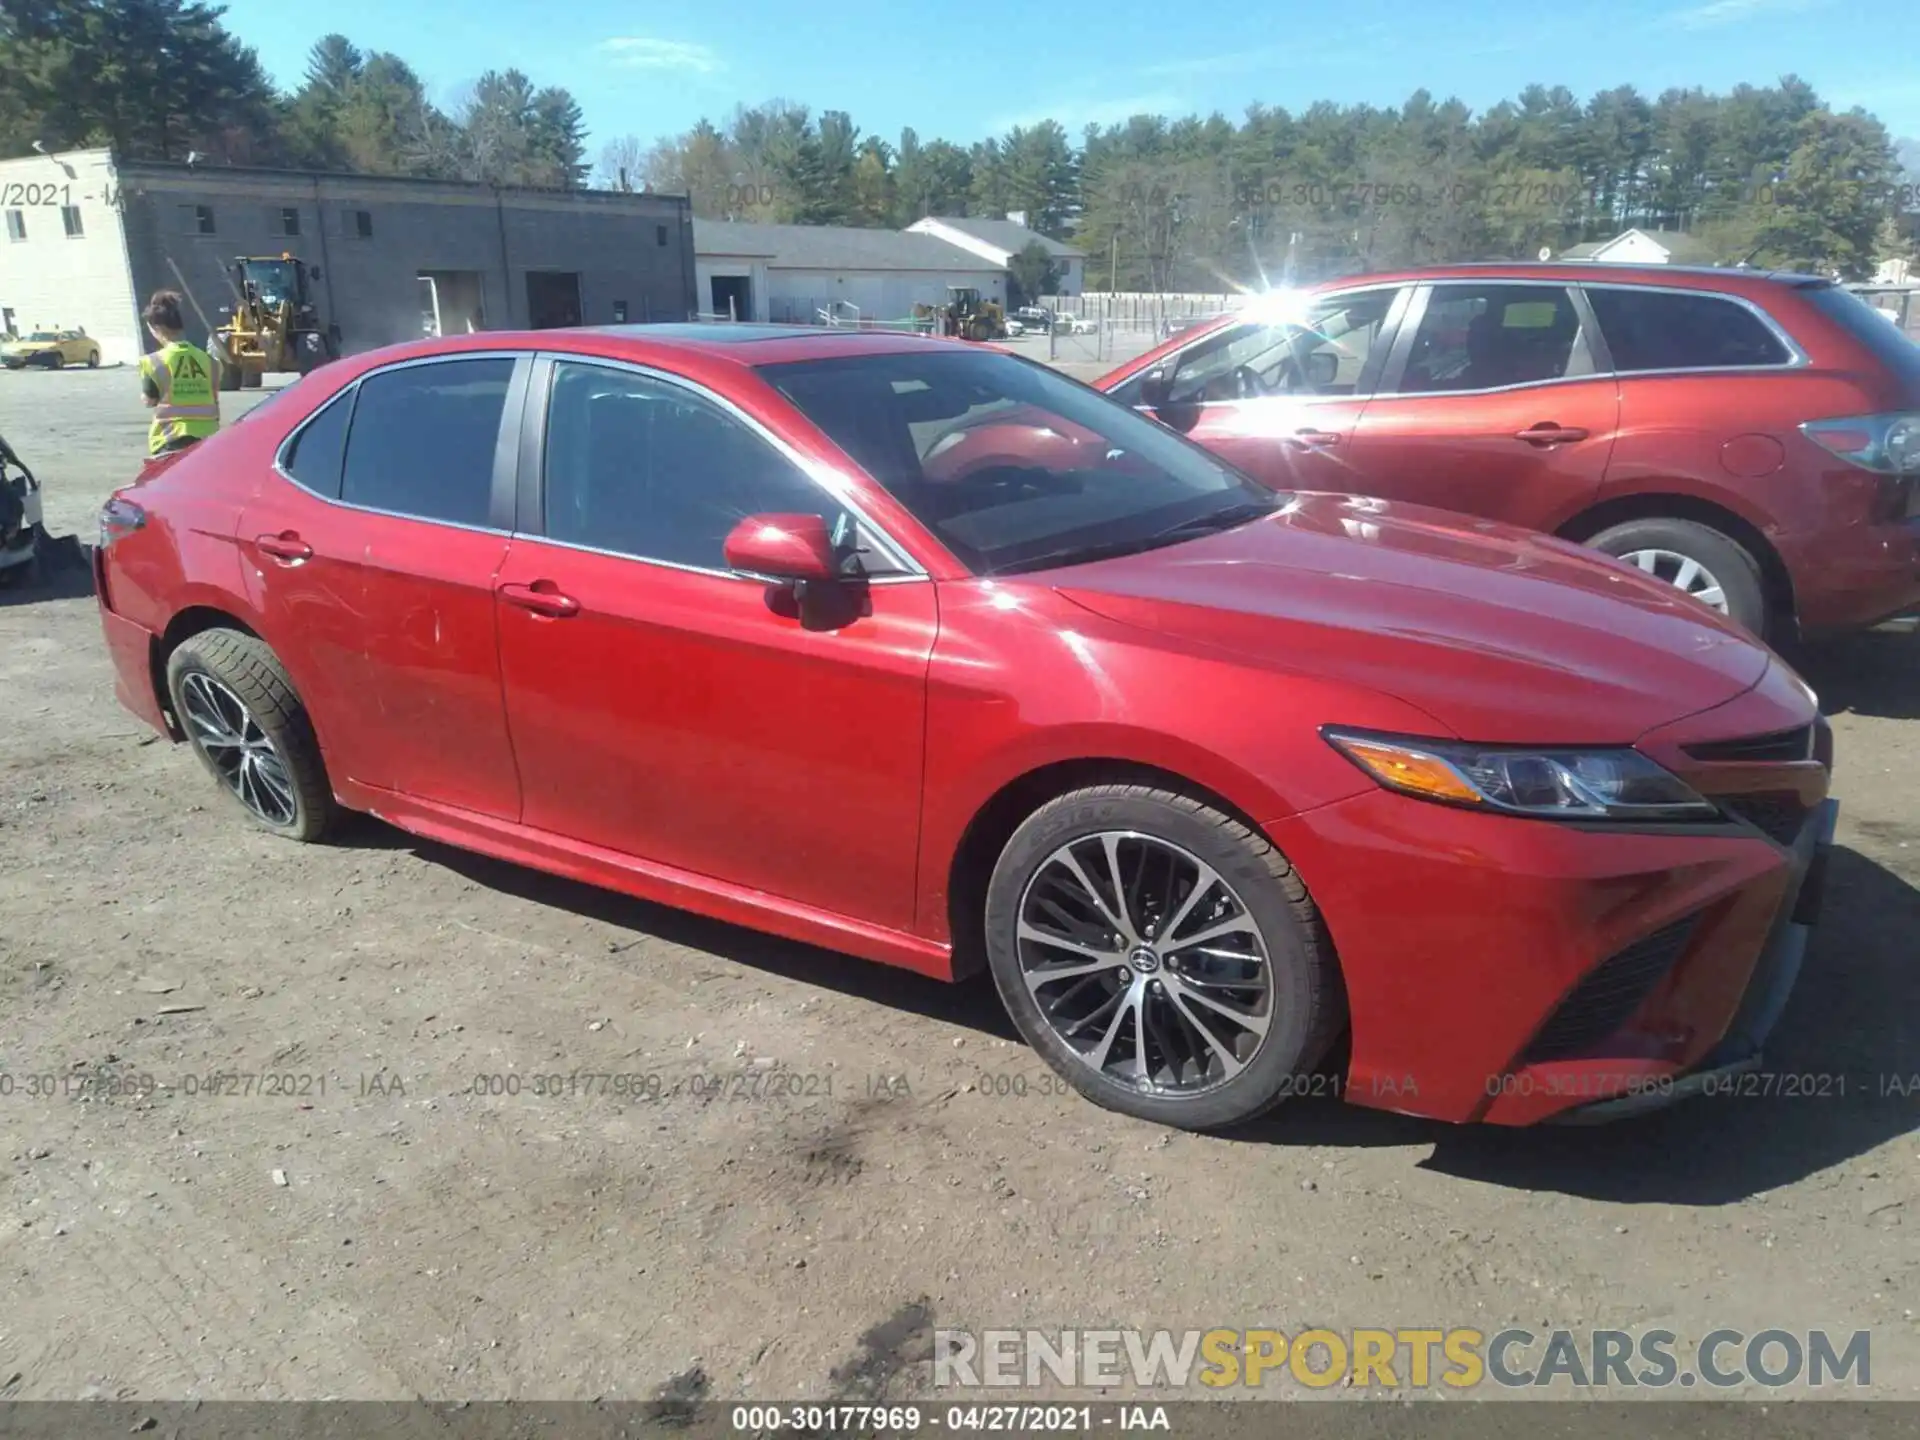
[
  {"x": 1698, "y": 559},
  {"x": 93, "y": 359},
  {"x": 233, "y": 699},
  {"x": 1162, "y": 957}
]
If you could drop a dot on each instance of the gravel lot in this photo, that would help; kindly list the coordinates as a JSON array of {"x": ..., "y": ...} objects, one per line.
[{"x": 382, "y": 1232}]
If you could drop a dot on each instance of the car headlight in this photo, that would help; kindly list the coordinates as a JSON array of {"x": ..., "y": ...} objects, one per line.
[{"x": 1552, "y": 784}]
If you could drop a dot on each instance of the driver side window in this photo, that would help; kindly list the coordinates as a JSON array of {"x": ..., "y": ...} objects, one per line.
[{"x": 1323, "y": 350}]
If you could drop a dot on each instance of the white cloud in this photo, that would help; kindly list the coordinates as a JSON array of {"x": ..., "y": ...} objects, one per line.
[
  {"x": 640, "y": 52},
  {"x": 1075, "y": 115},
  {"x": 1732, "y": 12}
]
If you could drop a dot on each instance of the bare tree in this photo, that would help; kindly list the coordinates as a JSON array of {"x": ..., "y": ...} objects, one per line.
[{"x": 623, "y": 164}]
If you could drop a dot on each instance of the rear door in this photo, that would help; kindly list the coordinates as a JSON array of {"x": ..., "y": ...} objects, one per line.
[
  {"x": 1279, "y": 398},
  {"x": 380, "y": 576},
  {"x": 668, "y": 708},
  {"x": 1497, "y": 401}
]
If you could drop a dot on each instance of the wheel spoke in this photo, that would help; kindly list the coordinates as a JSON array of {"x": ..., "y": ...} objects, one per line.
[
  {"x": 1256, "y": 1023},
  {"x": 1111, "y": 844},
  {"x": 1047, "y": 975},
  {"x": 1130, "y": 1005},
  {"x": 1713, "y": 595},
  {"x": 1230, "y": 1063},
  {"x": 1234, "y": 925},
  {"x": 1689, "y": 572},
  {"x": 1072, "y": 865},
  {"x": 1041, "y": 937},
  {"x": 1648, "y": 560},
  {"x": 1170, "y": 933}
]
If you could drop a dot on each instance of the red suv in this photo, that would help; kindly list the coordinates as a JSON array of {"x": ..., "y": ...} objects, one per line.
[{"x": 1752, "y": 437}]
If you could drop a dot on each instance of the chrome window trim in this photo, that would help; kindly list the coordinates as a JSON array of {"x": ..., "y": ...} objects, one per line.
[
  {"x": 1798, "y": 359},
  {"x": 807, "y": 467},
  {"x": 353, "y": 385},
  {"x": 917, "y": 578}
]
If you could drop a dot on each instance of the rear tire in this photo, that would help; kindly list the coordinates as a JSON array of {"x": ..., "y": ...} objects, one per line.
[
  {"x": 1087, "y": 1026},
  {"x": 233, "y": 699},
  {"x": 1721, "y": 568},
  {"x": 93, "y": 359}
]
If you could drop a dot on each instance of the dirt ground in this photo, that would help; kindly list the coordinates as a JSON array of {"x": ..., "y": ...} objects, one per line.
[{"x": 369, "y": 1227}]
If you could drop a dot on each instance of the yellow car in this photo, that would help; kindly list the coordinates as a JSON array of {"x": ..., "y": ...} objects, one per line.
[{"x": 50, "y": 348}]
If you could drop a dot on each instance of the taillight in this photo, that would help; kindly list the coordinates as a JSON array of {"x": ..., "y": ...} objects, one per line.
[
  {"x": 1889, "y": 444},
  {"x": 119, "y": 518}
]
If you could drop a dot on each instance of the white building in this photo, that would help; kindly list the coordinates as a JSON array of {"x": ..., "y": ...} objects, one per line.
[
  {"x": 63, "y": 252},
  {"x": 1643, "y": 247},
  {"x": 998, "y": 241},
  {"x": 794, "y": 272}
]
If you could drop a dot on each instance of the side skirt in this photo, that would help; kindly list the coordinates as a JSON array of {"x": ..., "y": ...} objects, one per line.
[{"x": 646, "y": 880}]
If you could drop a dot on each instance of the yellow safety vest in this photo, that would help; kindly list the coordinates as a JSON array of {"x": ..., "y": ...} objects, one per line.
[{"x": 189, "y": 404}]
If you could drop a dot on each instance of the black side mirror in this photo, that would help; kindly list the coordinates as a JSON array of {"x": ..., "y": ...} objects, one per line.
[
  {"x": 1322, "y": 367},
  {"x": 1156, "y": 388},
  {"x": 313, "y": 272}
]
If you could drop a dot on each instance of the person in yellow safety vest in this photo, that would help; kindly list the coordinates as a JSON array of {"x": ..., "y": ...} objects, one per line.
[{"x": 178, "y": 380}]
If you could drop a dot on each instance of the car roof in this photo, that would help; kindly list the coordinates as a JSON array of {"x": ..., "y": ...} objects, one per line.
[
  {"x": 704, "y": 344},
  {"x": 1737, "y": 278}
]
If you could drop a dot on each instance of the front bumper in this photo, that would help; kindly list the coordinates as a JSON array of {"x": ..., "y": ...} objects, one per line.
[{"x": 1774, "y": 975}]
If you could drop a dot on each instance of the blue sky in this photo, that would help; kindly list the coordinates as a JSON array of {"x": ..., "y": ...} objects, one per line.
[{"x": 965, "y": 70}]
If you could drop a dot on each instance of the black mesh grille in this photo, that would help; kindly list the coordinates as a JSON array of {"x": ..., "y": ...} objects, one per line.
[
  {"x": 1778, "y": 816},
  {"x": 1611, "y": 992},
  {"x": 1780, "y": 745}
]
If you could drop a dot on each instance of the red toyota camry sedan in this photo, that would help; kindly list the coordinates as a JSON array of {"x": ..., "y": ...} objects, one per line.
[{"x": 929, "y": 654}]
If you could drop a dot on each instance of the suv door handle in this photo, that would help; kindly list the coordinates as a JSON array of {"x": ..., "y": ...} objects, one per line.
[
  {"x": 286, "y": 547},
  {"x": 542, "y": 597},
  {"x": 1548, "y": 433},
  {"x": 1316, "y": 438}
]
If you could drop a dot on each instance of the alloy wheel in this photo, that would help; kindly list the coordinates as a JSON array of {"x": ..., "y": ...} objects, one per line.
[
  {"x": 1146, "y": 963},
  {"x": 224, "y": 731},
  {"x": 1683, "y": 572}
]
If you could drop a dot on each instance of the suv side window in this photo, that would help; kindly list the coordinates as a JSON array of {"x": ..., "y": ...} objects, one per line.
[
  {"x": 1321, "y": 351},
  {"x": 1670, "y": 330},
  {"x": 423, "y": 438},
  {"x": 640, "y": 467},
  {"x": 1488, "y": 337}
]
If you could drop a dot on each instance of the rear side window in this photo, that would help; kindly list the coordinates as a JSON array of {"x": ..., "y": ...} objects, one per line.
[
  {"x": 1668, "y": 330},
  {"x": 423, "y": 439},
  {"x": 1874, "y": 329},
  {"x": 315, "y": 455},
  {"x": 1487, "y": 337}
]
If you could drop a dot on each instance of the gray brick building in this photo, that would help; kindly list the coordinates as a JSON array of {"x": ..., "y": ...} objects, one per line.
[{"x": 86, "y": 238}]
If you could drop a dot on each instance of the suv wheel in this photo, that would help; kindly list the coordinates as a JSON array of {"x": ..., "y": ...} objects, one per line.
[
  {"x": 233, "y": 699},
  {"x": 1163, "y": 958},
  {"x": 1709, "y": 566}
]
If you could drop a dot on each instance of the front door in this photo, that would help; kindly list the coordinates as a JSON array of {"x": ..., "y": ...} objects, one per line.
[
  {"x": 1279, "y": 397},
  {"x": 667, "y": 708},
  {"x": 1494, "y": 405}
]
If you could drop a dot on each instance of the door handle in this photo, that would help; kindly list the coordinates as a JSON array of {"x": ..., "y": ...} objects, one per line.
[
  {"x": 542, "y": 597},
  {"x": 1314, "y": 439},
  {"x": 1548, "y": 433},
  {"x": 286, "y": 547}
]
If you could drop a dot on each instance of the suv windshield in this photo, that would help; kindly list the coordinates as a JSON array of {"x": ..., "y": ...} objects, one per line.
[{"x": 1012, "y": 466}]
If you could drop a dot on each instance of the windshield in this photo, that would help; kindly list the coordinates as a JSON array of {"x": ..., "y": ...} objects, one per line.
[
  {"x": 274, "y": 279},
  {"x": 1012, "y": 466},
  {"x": 43, "y": 335}
]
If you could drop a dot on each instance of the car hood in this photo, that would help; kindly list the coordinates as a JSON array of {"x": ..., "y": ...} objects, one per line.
[
  {"x": 1501, "y": 635},
  {"x": 27, "y": 347}
]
